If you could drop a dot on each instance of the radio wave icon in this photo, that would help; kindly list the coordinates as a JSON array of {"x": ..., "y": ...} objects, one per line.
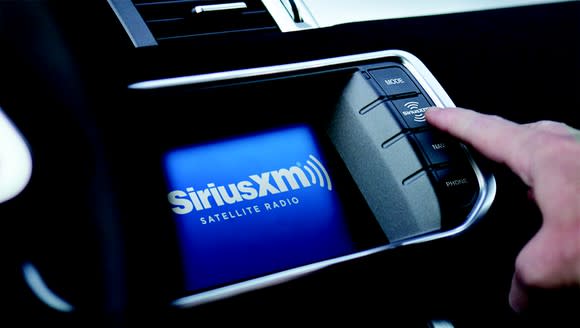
[
  {"x": 316, "y": 169},
  {"x": 419, "y": 117},
  {"x": 412, "y": 104}
]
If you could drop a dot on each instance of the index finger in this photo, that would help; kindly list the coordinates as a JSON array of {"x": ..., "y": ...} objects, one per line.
[{"x": 496, "y": 138}]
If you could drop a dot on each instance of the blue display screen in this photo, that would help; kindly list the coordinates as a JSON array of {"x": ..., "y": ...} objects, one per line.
[{"x": 254, "y": 205}]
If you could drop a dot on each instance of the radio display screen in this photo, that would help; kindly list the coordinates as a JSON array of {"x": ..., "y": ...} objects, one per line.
[{"x": 258, "y": 204}]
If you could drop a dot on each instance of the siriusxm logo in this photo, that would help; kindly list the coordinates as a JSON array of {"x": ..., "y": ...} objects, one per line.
[{"x": 258, "y": 185}]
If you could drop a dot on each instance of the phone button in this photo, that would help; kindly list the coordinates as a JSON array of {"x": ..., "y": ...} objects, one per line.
[{"x": 457, "y": 185}]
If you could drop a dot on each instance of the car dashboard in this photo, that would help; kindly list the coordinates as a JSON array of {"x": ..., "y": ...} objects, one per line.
[{"x": 105, "y": 107}]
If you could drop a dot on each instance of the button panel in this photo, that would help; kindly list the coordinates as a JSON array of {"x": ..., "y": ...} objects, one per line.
[{"x": 443, "y": 158}]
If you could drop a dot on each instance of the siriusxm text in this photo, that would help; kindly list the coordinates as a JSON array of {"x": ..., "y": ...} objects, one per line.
[{"x": 256, "y": 186}]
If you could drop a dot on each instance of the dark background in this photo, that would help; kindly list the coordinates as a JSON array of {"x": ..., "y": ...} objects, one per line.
[{"x": 64, "y": 71}]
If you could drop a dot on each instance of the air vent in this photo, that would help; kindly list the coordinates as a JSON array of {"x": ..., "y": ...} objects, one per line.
[{"x": 160, "y": 20}]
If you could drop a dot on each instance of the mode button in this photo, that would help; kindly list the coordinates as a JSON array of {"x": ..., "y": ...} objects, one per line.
[{"x": 394, "y": 81}]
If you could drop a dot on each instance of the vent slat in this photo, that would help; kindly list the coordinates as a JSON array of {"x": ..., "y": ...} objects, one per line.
[
  {"x": 208, "y": 24},
  {"x": 174, "y": 18},
  {"x": 176, "y": 37}
]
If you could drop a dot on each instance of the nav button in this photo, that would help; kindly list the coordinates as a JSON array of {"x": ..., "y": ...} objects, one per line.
[{"x": 438, "y": 148}]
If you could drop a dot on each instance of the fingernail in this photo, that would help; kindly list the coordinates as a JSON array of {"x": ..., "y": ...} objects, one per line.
[{"x": 574, "y": 132}]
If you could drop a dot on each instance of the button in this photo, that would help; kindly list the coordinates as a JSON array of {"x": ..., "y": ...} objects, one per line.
[
  {"x": 437, "y": 147},
  {"x": 400, "y": 158},
  {"x": 380, "y": 124},
  {"x": 457, "y": 188},
  {"x": 413, "y": 110},
  {"x": 358, "y": 94},
  {"x": 394, "y": 81},
  {"x": 457, "y": 185}
]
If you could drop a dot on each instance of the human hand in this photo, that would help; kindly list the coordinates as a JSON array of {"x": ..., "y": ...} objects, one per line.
[{"x": 546, "y": 156}]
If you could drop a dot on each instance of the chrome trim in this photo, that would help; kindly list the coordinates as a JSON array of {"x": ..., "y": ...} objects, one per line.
[
  {"x": 219, "y": 7},
  {"x": 133, "y": 23},
  {"x": 262, "y": 71},
  {"x": 486, "y": 181},
  {"x": 40, "y": 289},
  {"x": 292, "y": 10},
  {"x": 15, "y": 160},
  {"x": 440, "y": 324},
  {"x": 279, "y": 10}
]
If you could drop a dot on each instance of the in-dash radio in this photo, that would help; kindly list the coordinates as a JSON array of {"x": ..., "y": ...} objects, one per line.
[{"x": 274, "y": 172}]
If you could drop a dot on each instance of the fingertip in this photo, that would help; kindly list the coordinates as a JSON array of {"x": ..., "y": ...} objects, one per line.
[
  {"x": 440, "y": 117},
  {"x": 438, "y": 111},
  {"x": 432, "y": 110},
  {"x": 433, "y": 113}
]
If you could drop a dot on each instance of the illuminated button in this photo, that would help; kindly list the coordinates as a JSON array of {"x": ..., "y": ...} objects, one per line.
[
  {"x": 394, "y": 81},
  {"x": 413, "y": 110},
  {"x": 438, "y": 148}
]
